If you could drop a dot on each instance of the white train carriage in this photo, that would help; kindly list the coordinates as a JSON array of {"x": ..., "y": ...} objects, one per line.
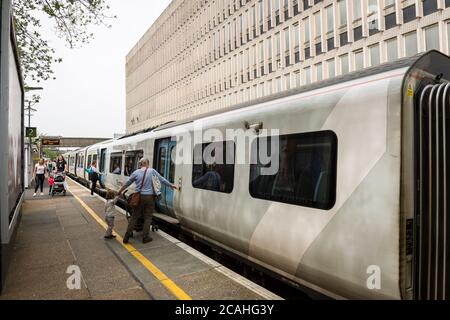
[{"x": 357, "y": 207}]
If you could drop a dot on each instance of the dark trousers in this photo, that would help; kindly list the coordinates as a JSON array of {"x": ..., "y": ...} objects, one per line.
[
  {"x": 94, "y": 185},
  {"x": 145, "y": 209},
  {"x": 39, "y": 182}
]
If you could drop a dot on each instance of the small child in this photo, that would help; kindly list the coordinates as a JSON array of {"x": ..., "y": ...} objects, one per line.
[
  {"x": 110, "y": 212},
  {"x": 51, "y": 182}
]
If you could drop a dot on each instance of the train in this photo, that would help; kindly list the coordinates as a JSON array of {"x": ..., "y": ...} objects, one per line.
[{"x": 356, "y": 207}]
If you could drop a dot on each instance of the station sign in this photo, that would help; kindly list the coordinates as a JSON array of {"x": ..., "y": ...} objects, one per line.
[
  {"x": 31, "y": 132},
  {"x": 51, "y": 141}
]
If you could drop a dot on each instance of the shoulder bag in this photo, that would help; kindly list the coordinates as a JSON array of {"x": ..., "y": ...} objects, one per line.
[{"x": 135, "y": 198}]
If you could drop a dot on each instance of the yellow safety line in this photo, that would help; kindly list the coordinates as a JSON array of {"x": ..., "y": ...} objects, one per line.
[{"x": 165, "y": 280}]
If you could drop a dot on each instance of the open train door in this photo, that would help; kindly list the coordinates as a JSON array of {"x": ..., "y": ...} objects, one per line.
[{"x": 164, "y": 163}]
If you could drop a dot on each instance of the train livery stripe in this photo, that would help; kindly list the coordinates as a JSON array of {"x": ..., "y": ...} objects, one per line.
[{"x": 161, "y": 276}]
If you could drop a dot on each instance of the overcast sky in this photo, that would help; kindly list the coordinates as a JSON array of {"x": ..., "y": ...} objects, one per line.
[{"x": 88, "y": 97}]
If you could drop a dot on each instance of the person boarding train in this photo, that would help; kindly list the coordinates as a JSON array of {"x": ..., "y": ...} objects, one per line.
[{"x": 143, "y": 179}]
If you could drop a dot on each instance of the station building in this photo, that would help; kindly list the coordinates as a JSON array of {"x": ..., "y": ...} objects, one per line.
[{"x": 204, "y": 55}]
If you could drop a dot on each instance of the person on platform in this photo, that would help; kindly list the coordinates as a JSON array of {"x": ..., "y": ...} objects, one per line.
[
  {"x": 39, "y": 176},
  {"x": 95, "y": 176},
  {"x": 110, "y": 212},
  {"x": 143, "y": 179}
]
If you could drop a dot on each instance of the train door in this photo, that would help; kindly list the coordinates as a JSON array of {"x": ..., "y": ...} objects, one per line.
[
  {"x": 165, "y": 165},
  {"x": 102, "y": 164},
  {"x": 76, "y": 164}
]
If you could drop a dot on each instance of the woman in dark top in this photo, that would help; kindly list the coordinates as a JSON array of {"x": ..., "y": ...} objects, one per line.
[{"x": 61, "y": 164}]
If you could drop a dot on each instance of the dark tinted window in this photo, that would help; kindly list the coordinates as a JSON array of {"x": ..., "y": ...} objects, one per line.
[
  {"x": 390, "y": 21},
  {"x": 318, "y": 48},
  {"x": 343, "y": 39},
  {"x": 409, "y": 14},
  {"x": 305, "y": 4},
  {"x": 132, "y": 161},
  {"x": 307, "y": 53},
  {"x": 330, "y": 44},
  {"x": 115, "y": 163},
  {"x": 447, "y": 3},
  {"x": 429, "y": 6},
  {"x": 213, "y": 167},
  {"x": 306, "y": 174},
  {"x": 357, "y": 33}
]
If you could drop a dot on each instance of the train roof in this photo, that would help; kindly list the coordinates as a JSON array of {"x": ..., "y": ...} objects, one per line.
[{"x": 421, "y": 60}]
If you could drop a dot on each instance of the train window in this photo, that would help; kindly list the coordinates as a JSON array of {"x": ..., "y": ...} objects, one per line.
[
  {"x": 89, "y": 162},
  {"x": 213, "y": 167},
  {"x": 81, "y": 163},
  {"x": 172, "y": 165},
  {"x": 115, "y": 163},
  {"x": 306, "y": 174},
  {"x": 131, "y": 161}
]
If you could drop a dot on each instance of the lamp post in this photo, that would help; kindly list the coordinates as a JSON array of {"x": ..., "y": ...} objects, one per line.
[{"x": 28, "y": 159}]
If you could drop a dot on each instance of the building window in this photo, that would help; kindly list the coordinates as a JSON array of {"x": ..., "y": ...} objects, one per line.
[
  {"x": 261, "y": 17},
  {"x": 306, "y": 174},
  {"x": 287, "y": 81},
  {"x": 342, "y": 12},
  {"x": 276, "y": 7},
  {"x": 390, "y": 21},
  {"x": 344, "y": 63},
  {"x": 331, "y": 68},
  {"x": 448, "y": 37},
  {"x": 391, "y": 49},
  {"x": 356, "y": 9},
  {"x": 286, "y": 10},
  {"x": 306, "y": 4},
  {"x": 296, "y": 8},
  {"x": 409, "y": 14},
  {"x": 411, "y": 44},
  {"x": 357, "y": 33},
  {"x": 307, "y": 75},
  {"x": 388, "y": 3},
  {"x": 318, "y": 48},
  {"x": 343, "y": 39},
  {"x": 447, "y": 3},
  {"x": 269, "y": 14},
  {"x": 359, "y": 60},
  {"x": 319, "y": 72},
  {"x": 374, "y": 52},
  {"x": 432, "y": 37},
  {"x": 296, "y": 32},
  {"x": 297, "y": 78},
  {"x": 429, "y": 6},
  {"x": 330, "y": 44},
  {"x": 307, "y": 53},
  {"x": 132, "y": 159},
  {"x": 213, "y": 167},
  {"x": 318, "y": 28},
  {"x": 306, "y": 29},
  {"x": 115, "y": 163},
  {"x": 330, "y": 18}
]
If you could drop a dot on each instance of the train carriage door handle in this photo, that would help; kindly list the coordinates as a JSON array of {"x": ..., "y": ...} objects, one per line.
[{"x": 180, "y": 183}]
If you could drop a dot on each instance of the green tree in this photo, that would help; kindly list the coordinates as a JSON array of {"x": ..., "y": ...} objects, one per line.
[{"x": 71, "y": 20}]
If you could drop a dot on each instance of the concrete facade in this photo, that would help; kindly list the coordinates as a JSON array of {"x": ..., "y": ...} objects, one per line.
[{"x": 204, "y": 55}]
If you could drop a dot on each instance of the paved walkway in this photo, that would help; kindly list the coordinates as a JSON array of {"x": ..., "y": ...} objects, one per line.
[
  {"x": 55, "y": 234},
  {"x": 64, "y": 231}
]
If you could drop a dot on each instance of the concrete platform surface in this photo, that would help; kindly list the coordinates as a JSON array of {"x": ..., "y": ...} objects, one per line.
[{"x": 61, "y": 232}]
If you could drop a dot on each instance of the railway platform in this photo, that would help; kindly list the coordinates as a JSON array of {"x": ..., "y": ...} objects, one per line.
[{"x": 61, "y": 238}]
